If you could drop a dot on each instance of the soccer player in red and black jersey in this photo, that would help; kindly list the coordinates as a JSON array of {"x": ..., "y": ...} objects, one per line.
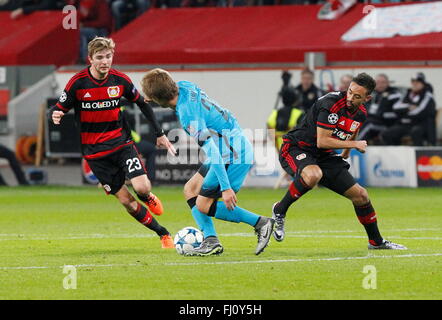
[
  {"x": 308, "y": 155},
  {"x": 94, "y": 93}
]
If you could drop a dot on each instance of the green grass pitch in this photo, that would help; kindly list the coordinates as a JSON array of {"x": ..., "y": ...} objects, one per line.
[{"x": 323, "y": 256}]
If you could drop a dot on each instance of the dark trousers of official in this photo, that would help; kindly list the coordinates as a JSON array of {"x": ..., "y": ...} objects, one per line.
[
  {"x": 14, "y": 164},
  {"x": 394, "y": 134}
]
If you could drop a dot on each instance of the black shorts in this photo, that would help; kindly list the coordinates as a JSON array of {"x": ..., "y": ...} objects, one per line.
[
  {"x": 335, "y": 175},
  {"x": 113, "y": 169},
  {"x": 214, "y": 193}
]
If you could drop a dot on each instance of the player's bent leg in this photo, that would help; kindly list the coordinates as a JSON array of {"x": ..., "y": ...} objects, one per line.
[
  {"x": 193, "y": 186},
  {"x": 263, "y": 225},
  {"x": 127, "y": 200},
  {"x": 143, "y": 187},
  {"x": 143, "y": 216},
  {"x": 210, "y": 244},
  {"x": 357, "y": 194},
  {"x": 311, "y": 175},
  {"x": 367, "y": 217},
  {"x": 301, "y": 184},
  {"x": 191, "y": 191}
]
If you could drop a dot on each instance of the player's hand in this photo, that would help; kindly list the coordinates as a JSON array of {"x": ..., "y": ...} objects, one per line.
[
  {"x": 163, "y": 142},
  {"x": 345, "y": 154},
  {"x": 229, "y": 198},
  {"x": 56, "y": 116},
  {"x": 361, "y": 145}
]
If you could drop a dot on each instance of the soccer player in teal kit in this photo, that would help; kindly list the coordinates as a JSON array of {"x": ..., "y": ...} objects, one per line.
[{"x": 229, "y": 159}]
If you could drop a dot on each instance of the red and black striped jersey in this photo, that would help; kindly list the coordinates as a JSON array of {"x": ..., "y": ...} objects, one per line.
[
  {"x": 328, "y": 112},
  {"x": 97, "y": 110}
]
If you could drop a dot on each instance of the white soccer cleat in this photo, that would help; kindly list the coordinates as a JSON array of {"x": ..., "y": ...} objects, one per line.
[
  {"x": 387, "y": 245},
  {"x": 278, "y": 232}
]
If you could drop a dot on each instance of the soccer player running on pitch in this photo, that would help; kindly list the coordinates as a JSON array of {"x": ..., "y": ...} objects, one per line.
[
  {"x": 308, "y": 155},
  {"x": 229, "y": 159},
  {"x": 94, "y": 93}
]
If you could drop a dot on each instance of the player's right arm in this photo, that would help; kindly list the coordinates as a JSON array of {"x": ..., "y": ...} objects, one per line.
[
  {"x": 346, "y": 152},
  {"x": 327, "y": 122},
  {"x": 195, "y": 125},
  {"x": 326, "y": 141}
]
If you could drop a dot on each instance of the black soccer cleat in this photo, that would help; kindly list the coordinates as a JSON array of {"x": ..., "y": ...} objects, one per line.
[{"x": 209, "y": 246}]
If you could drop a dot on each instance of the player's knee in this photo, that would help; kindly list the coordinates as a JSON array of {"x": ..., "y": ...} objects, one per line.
[
  {"x": 312, "y": 176},
  {"x": 360, "y": 197},
  {"x": 203, "y": 205},
  {"x": 143, "y": 189}
]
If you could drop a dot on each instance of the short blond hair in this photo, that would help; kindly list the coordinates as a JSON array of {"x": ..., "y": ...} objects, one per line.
[
  {"x": 157, "y": 84},
  {"x": 98, "y": 44}
]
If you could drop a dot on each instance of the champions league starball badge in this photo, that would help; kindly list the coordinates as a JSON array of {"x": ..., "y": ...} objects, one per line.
[{"x": 333, "y": 118}]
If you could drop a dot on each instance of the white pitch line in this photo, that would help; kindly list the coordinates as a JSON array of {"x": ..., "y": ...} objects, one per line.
[
  {"x": 316, "y": 233},
  {"x": 306, "y": 260},
  {"x": 245, "y": 235},
  {"x": 225, "y": 262},
  {"x": 98, "y": 235}
]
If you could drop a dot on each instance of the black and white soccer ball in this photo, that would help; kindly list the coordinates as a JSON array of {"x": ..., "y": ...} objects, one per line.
[{"x": 186, "y": 239}]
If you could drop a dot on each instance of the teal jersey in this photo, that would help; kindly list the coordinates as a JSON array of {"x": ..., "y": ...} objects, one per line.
[{"x": 214, "y": 128}]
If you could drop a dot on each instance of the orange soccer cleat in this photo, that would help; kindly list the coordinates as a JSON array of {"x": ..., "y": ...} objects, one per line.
[
  {"x": 154, "y": 204},
  {"x": 167, "y": 242}
]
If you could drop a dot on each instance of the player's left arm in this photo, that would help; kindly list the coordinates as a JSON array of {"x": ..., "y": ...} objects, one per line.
[{"x": 131, "y": 93}]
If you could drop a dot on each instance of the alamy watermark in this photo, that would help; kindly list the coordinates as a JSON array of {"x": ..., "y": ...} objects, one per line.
[
  {"x": 370, "y": 281},
  {"x": 236, "y": 146},
  {"x": 370, "y": 21},
  {"x": 70, "y": 281},
  {"x": 70, "y": 20}
]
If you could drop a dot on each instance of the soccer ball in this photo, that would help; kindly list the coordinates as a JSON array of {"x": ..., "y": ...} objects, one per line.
[{"x": 186, "y": 239}]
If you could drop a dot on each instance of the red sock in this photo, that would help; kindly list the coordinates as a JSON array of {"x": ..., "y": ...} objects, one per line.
[
  {"x": 144, "y": 217},
  {"x": 367, "y": 217}
]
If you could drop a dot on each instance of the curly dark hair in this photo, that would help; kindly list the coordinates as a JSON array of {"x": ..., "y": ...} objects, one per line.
[{"x": 366, "y": 81}]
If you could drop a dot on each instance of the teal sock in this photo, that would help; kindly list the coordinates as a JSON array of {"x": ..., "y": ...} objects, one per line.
[
  {"x": 205, "y": 223},
  {"x": 236, "y": 215}
]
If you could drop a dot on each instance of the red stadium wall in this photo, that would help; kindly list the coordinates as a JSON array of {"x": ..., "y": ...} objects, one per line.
[
  {"x": 266, "y": 34},
  {"x": 37, "y": 39}
]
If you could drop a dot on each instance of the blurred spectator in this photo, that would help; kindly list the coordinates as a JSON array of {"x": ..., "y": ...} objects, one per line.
[
  {"x": 15, "y": 166},
  {"x": 307, "y": 90},
  {"x": 198, "y": 3},
  {"x": 28, "y": 6},
  {"x": 417, "y": 113},
  {"x": 286, "y": 77},
  {"x": 344, "y": 82},
  {"x": 284, "y": 119},
  {"x": 380, "y": 109},
  {"x": 125, "y": 10},
  {"x": 167, "y": 3},
  {"x": 95, "y": 20},
  {"x": 8, "y": 5},
  {"x": 241, "y": 3}
]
